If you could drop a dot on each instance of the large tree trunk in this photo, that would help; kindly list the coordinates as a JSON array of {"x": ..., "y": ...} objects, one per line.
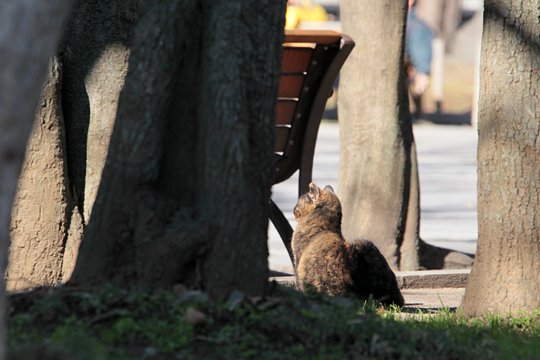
[
  {"x": 506, "y": 277},
  {"x": 184, "y": 196},
  {"x": 378, "y": 180},
  {"x": 185, "y": 190},
  {"x": 29, "y": 32}
]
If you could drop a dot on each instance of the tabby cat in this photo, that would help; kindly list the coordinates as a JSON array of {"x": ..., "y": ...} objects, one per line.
[{"x": 327, "y": 263}]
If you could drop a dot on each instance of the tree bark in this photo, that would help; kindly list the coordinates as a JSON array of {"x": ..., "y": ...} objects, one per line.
[
  {"x": 185, "y": 190},
  {"x": 40, "y": 218},
  {"x": 505, "y": 277},
  {"x": 94, "y": 55},
  {"x": 237, "y": 138},
  {"x": 378, "y": 177},
  {"x": 69, "y": 144},
  {"x": 29, "y": 32},
  {"x": 134, "y": 165},
  {"x": 184, "y": 195}
]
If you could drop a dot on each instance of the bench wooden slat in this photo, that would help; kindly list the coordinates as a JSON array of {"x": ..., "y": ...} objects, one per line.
[
  {"x": 296, "y": 59},
  {"x": 320, "y": 36},
  {"x": 282, "y": 135},
  {"x": 285, "y": 111},
  {"x": 290, "y": 85}
]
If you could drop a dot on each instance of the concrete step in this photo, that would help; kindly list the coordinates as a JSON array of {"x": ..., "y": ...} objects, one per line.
[
  {"x": 432, "y": 279},
  {"x": 423, "y": 279}
]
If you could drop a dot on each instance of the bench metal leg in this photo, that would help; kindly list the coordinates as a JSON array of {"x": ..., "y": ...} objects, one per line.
[{"x": 283, "y": 227}]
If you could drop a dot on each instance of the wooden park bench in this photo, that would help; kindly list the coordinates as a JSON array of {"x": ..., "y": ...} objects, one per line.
[{"x": 311, "y": 63}]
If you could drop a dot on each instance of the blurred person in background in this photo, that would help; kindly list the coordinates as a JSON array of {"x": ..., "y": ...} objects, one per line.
[
  {"x": 303, "y": 10},
  {"x": 418, "y": 53}
]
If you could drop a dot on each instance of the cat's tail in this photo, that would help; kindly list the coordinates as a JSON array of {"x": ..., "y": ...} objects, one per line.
[{"x": 372, "y": 274}]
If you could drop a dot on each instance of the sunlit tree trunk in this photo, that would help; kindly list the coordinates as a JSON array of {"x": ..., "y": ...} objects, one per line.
[
  {"x": 378, "y": 174},
  {"x": 506, "y": 276},
  {"x": 29, "y": 34}
]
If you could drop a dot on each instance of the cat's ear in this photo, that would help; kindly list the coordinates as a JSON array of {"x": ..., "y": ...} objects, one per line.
[
  {"x": 329, "y": 188},
  {"x": 314, "y": 192}
]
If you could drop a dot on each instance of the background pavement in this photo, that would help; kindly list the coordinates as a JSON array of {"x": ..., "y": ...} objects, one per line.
[{"x": 447, "y": 169}]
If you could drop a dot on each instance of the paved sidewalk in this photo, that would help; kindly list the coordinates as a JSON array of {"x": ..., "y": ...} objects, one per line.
[
  {"x": 447, "y": 167},
  {"x": 432, "y": 299}
]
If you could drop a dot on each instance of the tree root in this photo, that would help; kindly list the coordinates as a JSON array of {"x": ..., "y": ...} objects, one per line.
[{"x": 434, "y": 257}]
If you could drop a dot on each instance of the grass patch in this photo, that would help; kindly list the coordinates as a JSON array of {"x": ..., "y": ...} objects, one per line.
[{"x": 112, "y": 323}]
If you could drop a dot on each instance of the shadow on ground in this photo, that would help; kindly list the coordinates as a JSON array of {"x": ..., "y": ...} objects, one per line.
[
  {"x": 441, "y": 118},
  {"x": 438, "y": 118},
  {"x": 435, "y": 257}
]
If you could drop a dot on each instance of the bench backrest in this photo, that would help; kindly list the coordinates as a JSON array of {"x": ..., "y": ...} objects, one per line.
[{"x": 311, "y": 62}]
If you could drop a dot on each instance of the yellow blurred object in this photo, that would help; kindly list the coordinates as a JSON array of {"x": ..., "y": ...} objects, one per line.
[{"x": 303, "y": 10}]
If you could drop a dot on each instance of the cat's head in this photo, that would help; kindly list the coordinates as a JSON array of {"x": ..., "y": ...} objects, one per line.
[{"x": 322, "y": 203}]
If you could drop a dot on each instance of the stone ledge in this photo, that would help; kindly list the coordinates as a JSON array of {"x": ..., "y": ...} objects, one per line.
[{"x": 421, "y": 279}]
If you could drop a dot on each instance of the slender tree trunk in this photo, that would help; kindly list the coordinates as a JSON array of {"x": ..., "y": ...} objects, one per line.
[
  {"x": 505, "y": 276},
  {"x": 29, "y": 32},
  {"x": 378, "y": 178}
]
